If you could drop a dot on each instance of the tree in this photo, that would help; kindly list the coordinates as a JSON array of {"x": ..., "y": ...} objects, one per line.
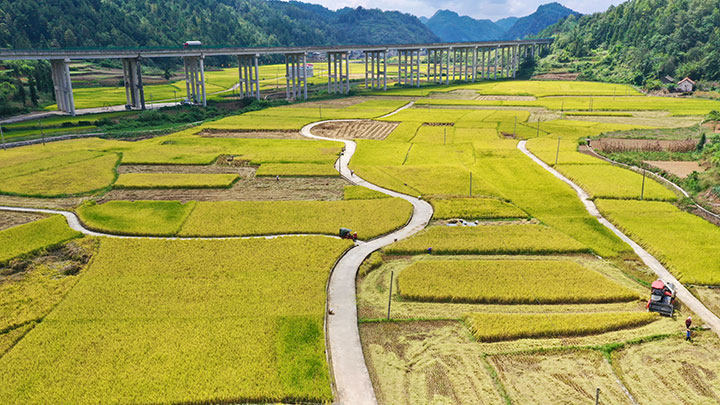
[
  {"x": 20, "y": 95},
  {"x": 33, "y": 91}
]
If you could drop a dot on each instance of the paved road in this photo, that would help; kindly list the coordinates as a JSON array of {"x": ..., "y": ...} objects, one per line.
[
  {"x": 75, "y": 224},
  {"x": 682, "y": 293},
  {"x": 352, "y": 380},
  {"x": 351, "y": 377}
]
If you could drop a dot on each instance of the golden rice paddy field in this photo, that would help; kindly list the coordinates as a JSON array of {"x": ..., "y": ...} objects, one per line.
[{"x": 513, "y": 293}]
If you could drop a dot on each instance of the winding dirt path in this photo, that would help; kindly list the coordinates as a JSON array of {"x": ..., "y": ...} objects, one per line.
[{"x": 682, "y": 293}]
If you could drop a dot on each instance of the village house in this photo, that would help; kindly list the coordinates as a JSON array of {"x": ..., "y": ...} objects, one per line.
[{"x": 685, "y": 85}]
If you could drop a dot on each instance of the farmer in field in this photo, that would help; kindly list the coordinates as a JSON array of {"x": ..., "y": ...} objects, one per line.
[
  {"x": 688, "y": 332},
  {"x": 688, "y": 322}
]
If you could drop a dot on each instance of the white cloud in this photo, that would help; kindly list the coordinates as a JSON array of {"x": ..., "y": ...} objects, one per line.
[{"x": 481, "y": 9}]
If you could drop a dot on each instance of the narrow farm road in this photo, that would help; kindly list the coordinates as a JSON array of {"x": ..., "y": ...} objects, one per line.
[
  {"x": 682, "y": 293},
  {"x": 347, "y": 362}
]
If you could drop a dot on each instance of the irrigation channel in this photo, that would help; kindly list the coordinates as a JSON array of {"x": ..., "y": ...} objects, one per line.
[{"x": 654, "y": 264}]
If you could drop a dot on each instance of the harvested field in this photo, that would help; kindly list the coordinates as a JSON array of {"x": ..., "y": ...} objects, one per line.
[
  {"x": 710, "y": 296},
  {"x": 260, "y": 188},
  {"x": 679, "y": 169},
  {"x": 9, "y": 219},
  {"x": 426, "y": 362},
  {"x": 613, "y": 145},
  {"x": 215, "y": 133},
  {"x": 35, "y": 202},
  {"x": 557, "y": 76},
  {"x": 672, "y": 369},
  {"x": 242, "y": 171},
  {"x": 506, "y": 98},
  {"x": 377, "y": 130},
  {"x": 658, "y": 119},
  {"x": 560, "y": 378}
]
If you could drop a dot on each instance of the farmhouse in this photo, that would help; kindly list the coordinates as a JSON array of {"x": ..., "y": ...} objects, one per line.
[
  {"x": 686, "y": 85},
  {"x": 667, "y": 80}
]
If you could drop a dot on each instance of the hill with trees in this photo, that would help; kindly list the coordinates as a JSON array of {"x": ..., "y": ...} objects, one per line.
[
  {"x": 132, "y": 23},
  {"x": 642, "y": 41}
]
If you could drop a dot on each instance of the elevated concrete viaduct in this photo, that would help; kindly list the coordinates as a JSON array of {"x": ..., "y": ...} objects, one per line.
[{"x": 465, "y": 61}]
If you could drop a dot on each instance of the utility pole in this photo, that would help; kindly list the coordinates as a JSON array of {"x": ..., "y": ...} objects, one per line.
[
  {"x": 42, "y": 134},
  {"x": 444, "y": 135},
  {"x": 538, "y": 128},
  {"x": 2, "y": 136},
  {"x": 642, "y": 190},
  {"x": 390, "y": 295},
  {"x": 470, "y": 184},
  {"x": 515, "y": 129},
  {"x": 597, "y": 396},
  {"x": 557, "y": 154}
]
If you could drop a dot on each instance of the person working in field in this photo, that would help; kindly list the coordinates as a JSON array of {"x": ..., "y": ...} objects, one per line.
[{"x": 688, "y": 332}]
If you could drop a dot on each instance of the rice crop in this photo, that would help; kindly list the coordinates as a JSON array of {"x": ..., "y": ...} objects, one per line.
[
  {"x": 475, "y": 208},
  {"x": 238, "y": 321},
  {"x": 498, "y": 327},
  {"x": 488, "y": 239},
  {"x": 135, "y": 217},
  {"x": 369, "y": 218},
  {"x": 73, "y": 178},
  {"x": 361, "y": 193},
  {"x": 508, "y": 282},
  {"x": 539, "y": 88},
  {"x": 297, "y": 170},
  {"x": 175, "y": 180},
  {"x": 607, "y": 181},
  {"x": 31, "y": 237},
  {"x": 686, "y": 243}
]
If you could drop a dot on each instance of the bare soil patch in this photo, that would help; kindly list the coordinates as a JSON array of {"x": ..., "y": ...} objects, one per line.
[
  {"x": 506, "y": 98},
  {"x": 50, "y": 203},
  {"x": 257, "y": 188},
  {"x": 214, "y": 133},
  {"x": 242, "y": 171},
  {"x": 679, "y": 169},
  {"x": 713, "y": 126},
  {"x": 556, "y": 76},
  {"x": 377, "y": 130},
  {"x": 8, "y": 219},
  {"x": 332, "y": 103},
  {"x": 614, "y": 145}
]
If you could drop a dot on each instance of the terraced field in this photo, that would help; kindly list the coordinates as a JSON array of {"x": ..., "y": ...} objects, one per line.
[{"x": 513, "y": 292}]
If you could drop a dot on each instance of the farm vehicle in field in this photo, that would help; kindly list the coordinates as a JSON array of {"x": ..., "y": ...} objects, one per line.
[
  {"x": 662, "y": 298},
  {"x": 346, "y": 233}
]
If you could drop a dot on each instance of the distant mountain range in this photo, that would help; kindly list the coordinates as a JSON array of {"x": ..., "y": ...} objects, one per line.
[{"x": 451, "y": 27}]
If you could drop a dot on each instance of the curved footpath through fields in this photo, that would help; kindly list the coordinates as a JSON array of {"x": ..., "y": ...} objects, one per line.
[
  {"x": 345, "y": 354},
  {"x": 682, "y": 293},
  {"x": 347, "y": 362}
]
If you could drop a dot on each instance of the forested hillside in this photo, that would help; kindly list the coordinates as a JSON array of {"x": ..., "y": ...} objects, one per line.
[
  {"x": 93, "y": 23},
  {"x": 642, "y": 41}
]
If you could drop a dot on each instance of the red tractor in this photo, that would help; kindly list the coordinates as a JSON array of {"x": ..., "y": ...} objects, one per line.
[{"x": 662, "y": 298}]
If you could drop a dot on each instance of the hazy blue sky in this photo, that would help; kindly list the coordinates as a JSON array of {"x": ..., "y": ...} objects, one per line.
[{"x": 491, "y": 9}]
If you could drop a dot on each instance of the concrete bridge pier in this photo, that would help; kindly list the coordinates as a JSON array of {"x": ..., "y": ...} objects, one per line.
[
  {"x": 495, "y": 71},
  {"x": 376, "y": 69},
  {"x": 132, "y": 77},
  {"x": 474, "y": 64},
  {"x": 62, "y": 85},
  {"x": 248, "y": 76},
  {"x": 409, "y": 67},
  {"x": 195, "y": 79},
  {"x": 516, "y": 65},
  {"x": 296, "y": 78},
  {"x": 438, "y": 65},
  {"x": 339, "y": 76}
]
